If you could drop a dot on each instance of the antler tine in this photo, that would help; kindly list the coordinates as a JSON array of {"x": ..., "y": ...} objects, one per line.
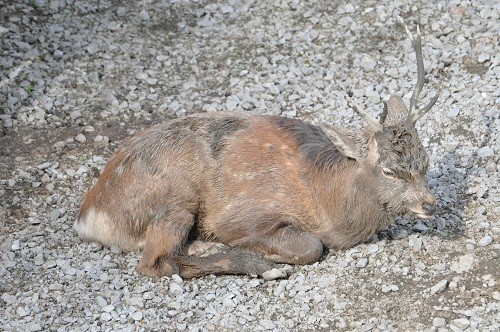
[
  {"x": 416, "y": 42},
  {"x": 371, "y": 121},
  {"x": 421, "y": 111}
]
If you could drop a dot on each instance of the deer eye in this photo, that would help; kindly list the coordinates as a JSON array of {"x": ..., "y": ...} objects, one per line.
[{"x": 387, "y": 172}]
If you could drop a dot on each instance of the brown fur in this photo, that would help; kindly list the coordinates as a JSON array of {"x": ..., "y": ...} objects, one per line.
[
  {"x": 274, "y": 189},
  {"x": 271, "y": 185}
]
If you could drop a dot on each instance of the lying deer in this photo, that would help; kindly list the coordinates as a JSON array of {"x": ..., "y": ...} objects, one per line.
[{"x": 275, "y": 189}]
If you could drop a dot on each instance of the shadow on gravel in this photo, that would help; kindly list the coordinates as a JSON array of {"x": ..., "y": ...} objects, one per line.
[{"x": 451, "y": 190}]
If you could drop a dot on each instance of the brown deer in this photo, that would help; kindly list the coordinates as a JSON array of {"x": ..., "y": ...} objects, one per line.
[{"x": 275, "y": 189}]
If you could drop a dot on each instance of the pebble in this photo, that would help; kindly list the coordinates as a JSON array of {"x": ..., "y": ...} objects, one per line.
[
  {"x": 106, "y": 308},
  {"x": 176, "y": 289},
  {"x": 485, "y": 152},
  {"x": 44, "y": 165},
  {"x": 362, "y": 262},
  {"x": 16, "y": 245},
  {"x": 121, "y": 11},
  {"x": 274, "y": 274},
  {"x": 267, "y": 324},
  {"x": 438, "y": 322},
  {"x": 74, "y": 115},
  {"x": 485, "y": 241},
  {"x": 105, "y": 317},
  {"x": 367, "y": 62},
  {"x": 80, "y": 138},
  {"x": 144, "y": 14},
  {"x": 461, "y": 323},
  {"x": 463, "y": 263},
  {"x": 137, "y": 315},
  {"x": 439, "y": 287}
]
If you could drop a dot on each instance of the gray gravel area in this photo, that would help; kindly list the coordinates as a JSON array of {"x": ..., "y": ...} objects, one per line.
[{"x": 78, "y": 77}]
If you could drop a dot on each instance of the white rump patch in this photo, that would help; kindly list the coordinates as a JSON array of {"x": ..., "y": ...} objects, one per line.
[{"x": 98, "y": 226}]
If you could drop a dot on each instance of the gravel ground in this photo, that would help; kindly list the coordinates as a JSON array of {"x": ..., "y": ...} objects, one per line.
[{"x": 78, "y": 77}]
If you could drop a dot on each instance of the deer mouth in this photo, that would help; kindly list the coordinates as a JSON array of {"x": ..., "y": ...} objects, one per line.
[
  {"x": 421, "y": 213},
  {"x": 424, "y": 216}
]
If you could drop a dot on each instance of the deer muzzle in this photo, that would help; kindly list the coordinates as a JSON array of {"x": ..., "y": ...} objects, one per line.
[{"x": 427, "y": 208}]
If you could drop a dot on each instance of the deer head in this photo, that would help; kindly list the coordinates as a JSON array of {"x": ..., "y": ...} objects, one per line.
[{"x": 391, "y": 158}]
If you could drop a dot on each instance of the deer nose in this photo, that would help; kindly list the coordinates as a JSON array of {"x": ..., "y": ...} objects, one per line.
[{"x": 429, "y": 208}]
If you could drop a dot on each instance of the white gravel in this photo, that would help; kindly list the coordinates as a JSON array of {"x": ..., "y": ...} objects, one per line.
[{"x": 77, "y": 77}]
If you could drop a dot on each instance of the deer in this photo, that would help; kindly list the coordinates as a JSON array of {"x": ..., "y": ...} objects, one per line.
[{"x": 274, "y": 190}]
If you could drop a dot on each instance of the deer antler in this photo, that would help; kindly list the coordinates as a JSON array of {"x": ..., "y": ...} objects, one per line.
[
  {"x": 372, "y": 122},
  {"x": 415, "y": 112}
]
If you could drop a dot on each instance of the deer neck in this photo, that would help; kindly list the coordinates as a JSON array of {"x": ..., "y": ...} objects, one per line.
[{"x": 347, "y": 206}]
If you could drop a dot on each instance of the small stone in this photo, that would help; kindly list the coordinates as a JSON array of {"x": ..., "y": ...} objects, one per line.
[
  {"x": 75, "y": 115},
  {"x": 44, "y": 165},
  {"x": 439, "y": 287},
  {"x": 254, "y": 283},
  {"x": 136, "y": 315},
  {"x": 485, "y": 152},
  {"x": 461, "y": 323},
  {"x": 121, "y": 11},
  {"x": 176, "y": 289},
  {"x": 103, "y": 140},
  {"x": 115, "y": 250},
  {"x": 177, "y": 279},
  {"x": 58, "y": 54},
  {"x": 372, "y": 248},
  {"x": 362, "y": 262},
  {"x": 454, "y": 112},
  {"x": 93, "y": 77},
  {"x": 80, "y": 138},
  {"x": 16, "y": 245},
  {"x": 485, "y": 241},
  {"x": 34, "y": 221},
  {"x": 137, "y": 301},
  {"x": 420, "y": 227},
  {"x": 438, "y": 322},
  {"x": 267, "y": 324},
  {"x": 463, "y": 263},
  {"x": 38, "y": 259},
  {"x": 101, "y": 302},
  {"x": 135, "y": 106},
  {"x": 450, "y": 146},
  {"x": 367, "y": 62},
  {"x": 228, "y": 302},
  {"x": 9, "y": 299},
  {"x": 274, "y": 274},
  {"x": 144, "y": 14},
  {"x": 106, "y": 308},
  {"x": 483, "y": 57},
  {"x": 226, "y": 9},
  {"x": 82, "y": 170},
  {"x": 389, "y": 288},
  {"x": 50, "y": 265},
  {"x": 22, "y": 312},
  {"x": 106, "y": 317}
]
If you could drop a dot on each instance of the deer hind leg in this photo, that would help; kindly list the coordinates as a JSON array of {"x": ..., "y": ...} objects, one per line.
[
  {"x": 289, "y": 244},
  {"x": 284, "y": 243},
  {"x": 163, "y": 242}
]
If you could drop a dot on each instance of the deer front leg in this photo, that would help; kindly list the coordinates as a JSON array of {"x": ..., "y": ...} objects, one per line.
[
  {"x": 164, "y": 240},
  {"x": 233, "y": 261}
]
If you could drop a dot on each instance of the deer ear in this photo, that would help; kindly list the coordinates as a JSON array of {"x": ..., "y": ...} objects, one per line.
[{"x": 344, "y": 140}]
